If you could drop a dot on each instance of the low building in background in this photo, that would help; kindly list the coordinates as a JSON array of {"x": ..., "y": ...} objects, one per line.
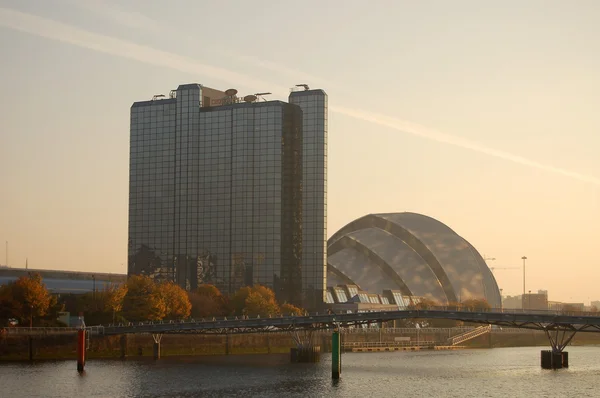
[
  {"x": 65, "y": 282},
  {"x": 512, "y": 302},
  {"x": 569, "y": 307},
  {"x": 535, "y": 301}
]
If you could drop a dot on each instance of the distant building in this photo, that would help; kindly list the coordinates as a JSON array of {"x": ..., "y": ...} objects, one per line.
[
  {"x": 512, "y": 302},
  {"x": 66, "y": 282},
  {"x": 230, "y": 192},
  {"x": 559, "y": 306},
  {"x": 535, "y": 301}
]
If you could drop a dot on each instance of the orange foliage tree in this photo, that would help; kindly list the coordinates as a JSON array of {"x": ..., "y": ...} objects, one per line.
[
  {"x": 115, "y": 294},
  {"x": 255, "y": 300},
  {"x": 25, "y": 299},
  {"x": 290, "y": 309},
  {"x": 143, "y": 300},
  {"x": 238, "y": 300},
  {"x": 258, "y": 303},
  {"x": 207, "y": 301},
  {"x": 475, "y": 304},
  {"x": 176, "y": 301}
]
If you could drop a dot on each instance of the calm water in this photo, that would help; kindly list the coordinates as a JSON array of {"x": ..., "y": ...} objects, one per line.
[{"x": 502, "y": 372}]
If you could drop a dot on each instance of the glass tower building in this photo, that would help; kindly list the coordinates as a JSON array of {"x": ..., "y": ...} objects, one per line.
[
  {"x": 314, "y": 194},
  {"x": 216, "y": 192}
]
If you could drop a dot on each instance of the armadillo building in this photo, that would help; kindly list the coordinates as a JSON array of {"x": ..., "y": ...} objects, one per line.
[{"x": 412, "y": 253}]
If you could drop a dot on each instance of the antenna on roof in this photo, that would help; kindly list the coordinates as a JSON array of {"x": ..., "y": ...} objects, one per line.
[
  {"x": 260, "y": 95},
  {"x": 231, "y": 92},
  {"x": 157, "y": 96},
  {"x": 306, "y": 88},
  {"x": 250, "y": 98}
]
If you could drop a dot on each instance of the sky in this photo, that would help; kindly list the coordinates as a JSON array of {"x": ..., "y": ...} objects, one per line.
[{"x": 482, "y": 115}]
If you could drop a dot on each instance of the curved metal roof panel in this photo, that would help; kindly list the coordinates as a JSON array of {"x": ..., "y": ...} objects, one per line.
[
  {"x": 405, "y": 262},
  {"x": 361, "y": 270},
  {"x": 453, "y": 252}
]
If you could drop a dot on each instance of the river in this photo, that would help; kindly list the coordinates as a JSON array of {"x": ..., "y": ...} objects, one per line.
[{"x": 500, "y": 372}]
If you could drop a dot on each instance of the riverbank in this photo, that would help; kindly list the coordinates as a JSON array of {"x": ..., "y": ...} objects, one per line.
[{"x": 17, "y": 348}]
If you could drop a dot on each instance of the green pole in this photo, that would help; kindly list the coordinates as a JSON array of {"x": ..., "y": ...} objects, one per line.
[{"x": 335, "y": 355}]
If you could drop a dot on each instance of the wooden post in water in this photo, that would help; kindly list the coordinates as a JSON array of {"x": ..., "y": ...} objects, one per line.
[
  {"x": 123, "y": 346},
  {"x": 335, "y": 355},
  {"x": 31, "y": 348},
  {"x": 80, "y": 350}
]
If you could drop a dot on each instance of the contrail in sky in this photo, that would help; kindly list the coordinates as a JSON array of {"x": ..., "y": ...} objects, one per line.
[{"x": 54, "y": 30}]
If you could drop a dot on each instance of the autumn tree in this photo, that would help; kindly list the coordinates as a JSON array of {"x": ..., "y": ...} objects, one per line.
[
  {"x": 115, "y": 294},
  {"x": 426, "y": 303},
  {"x": 255, "y": 300},
  {"x": 25, "y": 299},
  {"x": 143, "y": 300},
  {"x": 176, "y": 301},
  {"x": 258, "y": 304},
  {"x": 208, "y": 290},
  {"x": 207, "y": 301},
  {"x": 475, "y": 305},
  {"x": 238, "y": 300},
  {"x": 290, "y": 309}
]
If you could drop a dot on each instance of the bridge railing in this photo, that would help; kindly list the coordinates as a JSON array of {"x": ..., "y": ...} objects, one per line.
[
  {"x": 377, "y": 344},
  {"x": 459, "y": 309},
  {"x": 34, "y": 331}
]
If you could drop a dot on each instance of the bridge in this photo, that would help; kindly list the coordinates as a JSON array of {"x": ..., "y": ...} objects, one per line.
[
  {"x": 568, "y": 322},
  {"x": 560, "y": 327}
]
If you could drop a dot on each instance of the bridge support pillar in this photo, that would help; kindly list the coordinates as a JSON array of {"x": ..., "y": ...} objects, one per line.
[
  {"x": 81, "y": 350},
  {"x": 557, "y": 358},
  {"x": 156, "y": 349},
  {"x": 336, "y": 361}
]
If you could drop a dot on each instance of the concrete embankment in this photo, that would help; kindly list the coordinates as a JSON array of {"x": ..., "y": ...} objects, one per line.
[{"x": 65, "y": 347}]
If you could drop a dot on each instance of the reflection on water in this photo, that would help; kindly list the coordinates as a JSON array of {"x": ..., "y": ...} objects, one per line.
[{"x": 505, "y": 372}]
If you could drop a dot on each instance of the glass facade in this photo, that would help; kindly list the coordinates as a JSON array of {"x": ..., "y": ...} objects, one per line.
[
  {"x": 314, "y": 195},
  {"x": 216, "y": 193}
]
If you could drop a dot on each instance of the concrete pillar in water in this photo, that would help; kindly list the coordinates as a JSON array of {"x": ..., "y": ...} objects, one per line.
[
  {"x": 305, "y": 354},
  {"x": 335, "y": 355},
  {"x": 555, "y": 360},
  {"x": 80, "y": 350},
  {"x": 156, "y": 349},
  {"x": 546, "y": 357},
  {"x": 156, "y": 346}
]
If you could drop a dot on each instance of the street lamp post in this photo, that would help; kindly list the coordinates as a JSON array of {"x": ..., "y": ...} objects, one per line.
[{"x": 524, "y": 258}]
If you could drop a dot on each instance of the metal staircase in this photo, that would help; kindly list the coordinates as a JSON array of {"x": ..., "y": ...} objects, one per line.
[{"x": 471, "y": 334}]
